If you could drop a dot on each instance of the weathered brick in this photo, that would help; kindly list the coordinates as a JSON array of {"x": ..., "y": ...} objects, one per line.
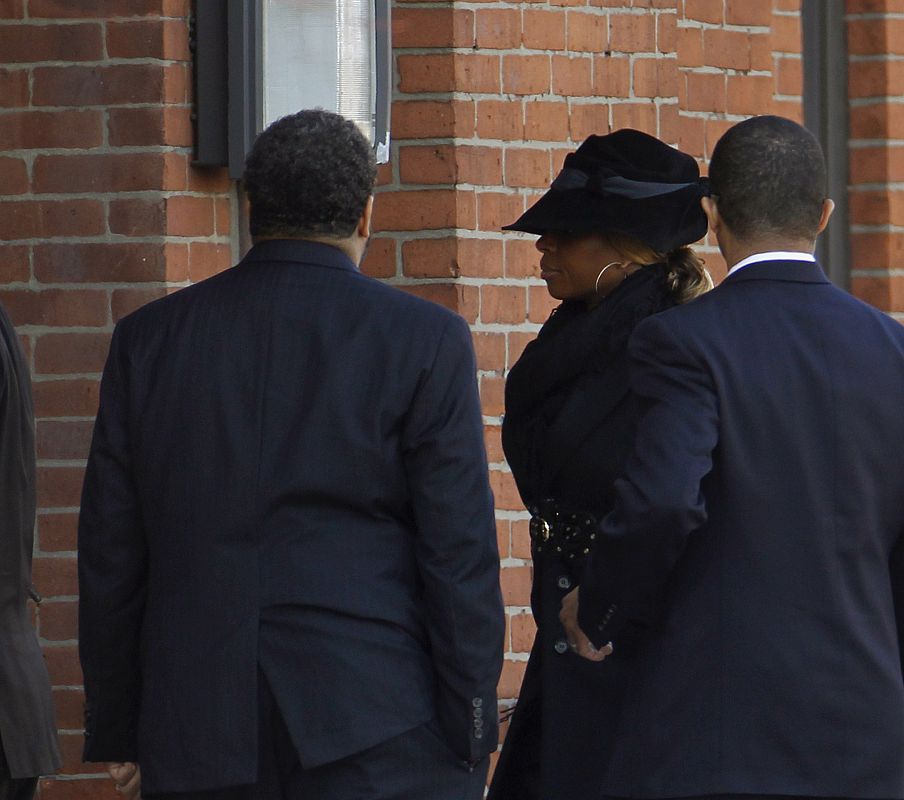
[
  {"x": 14, "y": 262},
  {"x": 432, "y": 27},
  {"x": 109, "y": 172},
  {"x": 420, "y": 119},
  {"x": 70, "y": 354},
  {"x": 118, "y": 84},
  {"x": 495, "y": 209},
  {"x": 500, "y": 119},
  {"x": 632, "y": 33},
  {"x": 705, "y": 10},
  {"x": 207, "y": 259},
  {"x": 13, "y": 88},
  {"x": 543, "y": 29},
  {"x": 612, "y": 76},
  {"x": 527, "y": 167},
  {"x": 50, "y": 219},
  {"x": 729, "y": 49},
  {"x": 137, "y": 217},
  {"x": 57, "y": 307},
  {"x": 480, "y": 258},
  {"x": 588, "y": 119},
  {"x": 188, "y": 215},
  {"x": 423, "y": 210},
  {"x": 498, "y": 28},
  {"x": 503, "y": 304},
  {"x": 99, "y": 262},
  {"x": 655, "y": 77},
  {"x": 546, "y": 121},
  {"x": 380, "y": 261},
  {"x": 57, "y": 532},
  {"x": 13, "y": 175},
  {"x": 156, "y": 38},
  {"x": 586, "y": 32},
  {"x": 93, "y": 9},
  {"x": 125, "y": 301},
  {"x": 572, "y": 77},
  {"x": 21, "y": 130},
  {"x": 525, "y": 74},
  {"x": 430, "y": 258},
  {"x": 51, "y": 43}
]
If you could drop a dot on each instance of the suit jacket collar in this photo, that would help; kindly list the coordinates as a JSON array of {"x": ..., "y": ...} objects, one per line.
[
  {"x": 790, "y": 271},
  {"x": 299, "y": 251}
]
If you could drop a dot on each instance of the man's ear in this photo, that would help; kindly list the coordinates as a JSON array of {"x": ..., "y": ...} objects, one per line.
[
  {"x": 828, "y": 206},
  {"x": 712, "y": 214},
  {"x": 363, "y": 229}
]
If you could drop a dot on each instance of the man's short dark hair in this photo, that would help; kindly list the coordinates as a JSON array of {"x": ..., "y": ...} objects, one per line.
[
  {"x": 769, "y": 178},
  {"x": 309, "y": 174}
]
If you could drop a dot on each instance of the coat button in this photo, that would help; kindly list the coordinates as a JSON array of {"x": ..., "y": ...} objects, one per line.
[
  {"x": 561, "y": 646},
  {"x": 564, "y": 582}
]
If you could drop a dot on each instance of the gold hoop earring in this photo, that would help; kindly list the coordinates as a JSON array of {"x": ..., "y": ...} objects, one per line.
[{"x": 596, "y": 286}]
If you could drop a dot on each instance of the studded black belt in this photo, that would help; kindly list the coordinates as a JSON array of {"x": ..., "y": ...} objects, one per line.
[{"x": 553, "y": 529}]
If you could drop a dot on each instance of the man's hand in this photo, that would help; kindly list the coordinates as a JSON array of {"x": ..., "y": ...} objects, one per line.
[
  {"x": 127, "y": 778},
  {"x": 577, "y": 639}
]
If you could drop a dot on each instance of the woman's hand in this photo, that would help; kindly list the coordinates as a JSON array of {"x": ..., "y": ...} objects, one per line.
[
  {"x": 127, "y": 778},
  {"x": 577, "y": 639}
]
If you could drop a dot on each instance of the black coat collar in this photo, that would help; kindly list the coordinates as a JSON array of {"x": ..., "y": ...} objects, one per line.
[
  {"x": 299, "y": 251},
  {"x": 780, "y": 270}
]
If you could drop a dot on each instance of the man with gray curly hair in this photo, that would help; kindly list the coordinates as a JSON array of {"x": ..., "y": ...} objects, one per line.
[{"x": 288, "y": 563}]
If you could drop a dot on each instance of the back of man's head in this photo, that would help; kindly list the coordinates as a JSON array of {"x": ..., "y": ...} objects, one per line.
[
  {"x": 768, "y": 177},
  {"x": 308, "y": 175}
]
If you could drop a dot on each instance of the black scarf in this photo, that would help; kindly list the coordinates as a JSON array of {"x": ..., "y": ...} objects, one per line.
[{"x": 573, "y": 343}]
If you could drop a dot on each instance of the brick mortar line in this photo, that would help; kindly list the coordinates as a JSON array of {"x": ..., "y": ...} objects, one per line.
[
  {"x": 95, "y": 285},
  {"x": 695, "y": 24},
  {"x": 93, "y": 63},
  {"x": 876, "y": 100},
  {"x": 108, "y": 197},
  {"x": 874, "y": 57},
  {"x": 465, "y": 50},
  {"x": 511, "y": 655},
  {"x": 862, "y": 144},
  {"x": 893, "y": 186},
  {"x": 888, "y": 228},
  {"x": 877, "y": 273},
  {"x": 873, "y": 15},
  {"x": 125, "y": 239},
  {"x": 728, "y": 71},
  {"x": 102, "y": 21},
  {"x": 49, "y": 109}
]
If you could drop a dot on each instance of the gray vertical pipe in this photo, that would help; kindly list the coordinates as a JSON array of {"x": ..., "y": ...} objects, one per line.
[{"x": 825, "y": 63}]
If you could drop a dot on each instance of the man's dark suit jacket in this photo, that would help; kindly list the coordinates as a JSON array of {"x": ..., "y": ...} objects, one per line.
[
  {"x": 287, "y": 470},
  {"x": 27, "y": 726},
  {"x": 759, "y": 532}
]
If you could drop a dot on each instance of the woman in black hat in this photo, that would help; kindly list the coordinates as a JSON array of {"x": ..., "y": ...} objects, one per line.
[{"x": 614, "y": 229}]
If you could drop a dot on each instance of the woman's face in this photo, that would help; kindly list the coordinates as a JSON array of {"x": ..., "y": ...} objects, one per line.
[{"x": 571, "y": 262}]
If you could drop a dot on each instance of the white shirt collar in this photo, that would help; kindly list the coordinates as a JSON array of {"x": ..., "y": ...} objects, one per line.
[{"x": 775, "y": 255}]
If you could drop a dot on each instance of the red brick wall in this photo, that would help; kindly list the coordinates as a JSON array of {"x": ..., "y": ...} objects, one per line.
[
  {"x": 876, "y": 87},
  {"x": 100, "y": 210},
  {"x": 99, "y": 213}
]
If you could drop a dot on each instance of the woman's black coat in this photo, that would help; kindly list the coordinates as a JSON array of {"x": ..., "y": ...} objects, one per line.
[{"x": 567, "y": 430}]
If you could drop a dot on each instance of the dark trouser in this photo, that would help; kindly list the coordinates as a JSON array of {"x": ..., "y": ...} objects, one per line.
[
  {"x": 14, "y": 788},
  {"x": 414, "y": 766}
]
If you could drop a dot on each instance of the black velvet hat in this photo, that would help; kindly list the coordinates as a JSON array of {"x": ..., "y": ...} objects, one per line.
[{"x": 625, "y": 182}]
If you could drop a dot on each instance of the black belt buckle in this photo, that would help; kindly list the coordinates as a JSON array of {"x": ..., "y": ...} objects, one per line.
[{"x": 540, "y": 530}]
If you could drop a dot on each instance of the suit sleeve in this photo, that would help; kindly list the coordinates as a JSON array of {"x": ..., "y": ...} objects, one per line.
[
  {"x": 659, "y": 501},
  {"x": 112, "y": 575},
  {"x": 896, "y": 566},
  {"x": 456, "y": 550}
]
